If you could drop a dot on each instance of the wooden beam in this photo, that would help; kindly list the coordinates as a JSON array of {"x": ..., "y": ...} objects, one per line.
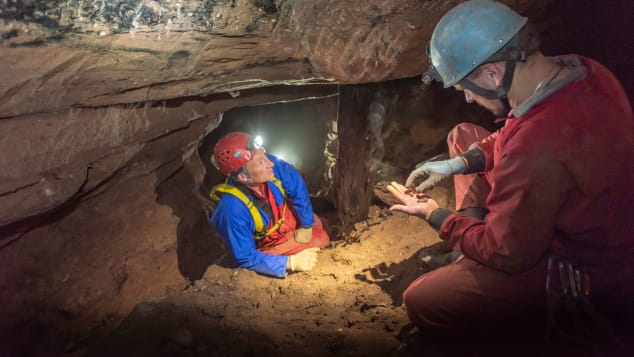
[{"x": 353, "y": 182}]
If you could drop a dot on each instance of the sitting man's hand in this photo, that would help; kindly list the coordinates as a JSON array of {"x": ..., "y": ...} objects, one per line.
[
  {"x": 304, "y": 260},
  {"x": 304, "y": 234},
  {"x": 435, "y": 171}
]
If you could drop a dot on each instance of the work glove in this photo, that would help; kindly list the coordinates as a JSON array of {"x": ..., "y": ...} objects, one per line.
[
  {"x": 304, "y": 234},
  {"x": 304, "y": 260},
  {"x": 435, "y": 171}
]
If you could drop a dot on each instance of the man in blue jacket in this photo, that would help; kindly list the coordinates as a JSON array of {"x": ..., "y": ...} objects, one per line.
[{"x": 264, "y": 213}]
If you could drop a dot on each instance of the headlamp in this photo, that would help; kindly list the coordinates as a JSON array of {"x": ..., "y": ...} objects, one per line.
[
  {"x": 431, "y": 74},
  {"x": 255, "y": 143}
]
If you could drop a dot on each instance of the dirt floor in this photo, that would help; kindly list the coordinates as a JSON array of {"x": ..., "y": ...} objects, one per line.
[{"x": 136, "y": 272}]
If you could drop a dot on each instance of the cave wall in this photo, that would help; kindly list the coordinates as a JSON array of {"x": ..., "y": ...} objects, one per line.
[{"x": 598, "y": 29}]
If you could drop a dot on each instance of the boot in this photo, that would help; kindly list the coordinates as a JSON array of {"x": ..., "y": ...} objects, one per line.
[
  {"x": 438, "y": 255},
  {"x": 437, "y": 261}
]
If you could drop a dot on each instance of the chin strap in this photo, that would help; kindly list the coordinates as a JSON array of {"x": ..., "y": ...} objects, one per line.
[
  {"x": 511, "y": 55},
  {"x": 500, "y": 92}
]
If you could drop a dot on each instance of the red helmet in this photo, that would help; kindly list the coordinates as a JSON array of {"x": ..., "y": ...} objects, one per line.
[{"x": 232, "y": 152}]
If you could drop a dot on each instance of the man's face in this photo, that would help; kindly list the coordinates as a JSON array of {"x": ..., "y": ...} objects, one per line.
[
  {"x": 485, "y": 81},
  {"x": 260, "y": 168}
]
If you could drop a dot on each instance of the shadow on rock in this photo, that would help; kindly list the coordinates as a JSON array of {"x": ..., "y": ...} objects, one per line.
[
  {"x": 394, "y": 278},
  {"x": 198, "y": 244}
]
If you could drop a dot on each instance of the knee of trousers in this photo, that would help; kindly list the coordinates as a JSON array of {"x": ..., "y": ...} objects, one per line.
[
  {"x": 462, "y": 136},
  {"x": 423, "y": 309}
]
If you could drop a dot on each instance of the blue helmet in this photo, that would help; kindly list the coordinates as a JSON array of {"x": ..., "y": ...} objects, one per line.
[{"x": 467, "y": 36}]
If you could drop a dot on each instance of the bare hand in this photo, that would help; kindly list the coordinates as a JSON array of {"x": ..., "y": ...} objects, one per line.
[{"x": 413, "y": 202}]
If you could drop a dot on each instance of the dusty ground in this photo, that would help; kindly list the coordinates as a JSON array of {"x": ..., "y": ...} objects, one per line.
[{"x": 108, "y": 278}]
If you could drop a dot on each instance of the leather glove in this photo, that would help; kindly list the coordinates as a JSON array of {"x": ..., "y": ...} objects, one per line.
[
  {"x": 304, "y": 260},
  {"x": 304, "y": 234},
  {"x": 434, "y": 172}
]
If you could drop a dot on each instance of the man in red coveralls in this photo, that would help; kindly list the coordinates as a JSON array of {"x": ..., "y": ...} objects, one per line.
[{"x": 545, "y": 205}]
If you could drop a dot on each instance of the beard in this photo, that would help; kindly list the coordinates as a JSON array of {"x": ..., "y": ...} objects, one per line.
[
  {"x": 498, "y": 112},
  {"x": 495, "y": 106}
]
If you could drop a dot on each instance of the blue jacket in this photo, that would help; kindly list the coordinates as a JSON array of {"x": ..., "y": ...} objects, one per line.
[{"x": 233, "y": 221}]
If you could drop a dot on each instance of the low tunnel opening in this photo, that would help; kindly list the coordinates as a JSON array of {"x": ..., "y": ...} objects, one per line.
[
  {"x": 293, "y": 131},
  {"x": 408, "y": 123}
]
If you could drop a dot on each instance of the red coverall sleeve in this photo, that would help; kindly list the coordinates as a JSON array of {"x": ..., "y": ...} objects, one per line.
[
  {"x": 528, "y": 191},
  {"x": 486, "y": 145}
]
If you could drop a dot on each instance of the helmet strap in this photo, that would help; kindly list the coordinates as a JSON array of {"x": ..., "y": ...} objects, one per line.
[
  {"x": 497, "y": 93},
  {"x": 507, "y": 106},
  {"x": 500, "y": 92},
  {"x": 511, "y": 54}
]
